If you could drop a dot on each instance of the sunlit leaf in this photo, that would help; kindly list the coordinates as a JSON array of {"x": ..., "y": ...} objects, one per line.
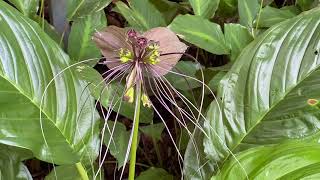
[
  {"x": 200, "y": 32},
  {"x": 29, "y": 60}
]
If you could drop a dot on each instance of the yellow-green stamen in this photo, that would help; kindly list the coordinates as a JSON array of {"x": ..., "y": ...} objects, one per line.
[
  {"x": 125, "y": 55},
  {"x": 154, "y": 54},
  {"x": 129, "y": 96},
  {"x": 145, "y": 100}
]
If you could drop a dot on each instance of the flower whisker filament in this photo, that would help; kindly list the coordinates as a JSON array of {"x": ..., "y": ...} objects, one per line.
[{"x": 148, "y": 57}]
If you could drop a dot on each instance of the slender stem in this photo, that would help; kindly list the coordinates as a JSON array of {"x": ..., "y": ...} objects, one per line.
[
  {"x": 134, "y": 145},
  {"x": 82, "y": 171}
]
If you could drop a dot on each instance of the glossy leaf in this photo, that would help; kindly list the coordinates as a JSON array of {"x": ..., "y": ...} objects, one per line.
[
  {"x": 155, "y": 173},
  {"x": 29, "y": 60},
  {"x": 80, "y": 8},
  {"x": 237, "y": 37},
  {"x": 80, "y": 45},
  {"x": 117, "y": 141},
  {"x": 111, "y": 94},
  {"x": 27, "y": 7},
  {"x": 270, "y": 16},
  {"x": 11, "y": 166},
  {"x": 215, "y": 81},
  {"x": 265, "y": 94},
  {"x": 200, "y": 32},
  {"x": 141, "y": 14},
  {"x": 204, "y": 8},
  {"x": 248, "y": 11},
  {"x": 284, "y": 161},
  {"x": 196, "y": 165},
  {"x": 153, "y": 130}
]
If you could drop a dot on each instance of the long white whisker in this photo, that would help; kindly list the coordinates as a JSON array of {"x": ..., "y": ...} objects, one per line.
[
  {"x": 105, "y": 122},
  {"x": 220, "y": 111},
  {"x": 41, "y": 102}
]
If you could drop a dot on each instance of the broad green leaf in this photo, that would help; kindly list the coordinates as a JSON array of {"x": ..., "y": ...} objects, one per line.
[
  {"x": 141, "y": 14},
  {"x": 155, "y": 173},
  {"x": 200, "y": 32},
  {"x": 11, "y": 166},
  {"x": 80, "y": 44},
  {"x": 111, "y": 94},
  {"x": 74, "y": 172},
  {"x": 285, "y": 161},
  {"x": 117, "y": 137},
  {"x": 27, "y": 7},
  {"x": 307, "y": 4},
  {"x": 237, "y": 37},
  {"x": 65, "y": 172},
  {"x": 196, "y": 165},
  {"x": 214, "y": 82},
  {"x": 248, "y": 10},
  {"x": 265, "y": 94},
  {"x": 167, "y": 8},
  {"x": 270, "y": 16},
  {"x": 29, "y": 60},
  {"x": 186, "y": 68},
  {"x": 49, "y": 29},
  {"x": 153, "y": 130},
  {"x": 80, "y": 8},
  {"x": 204, "y": 8}
]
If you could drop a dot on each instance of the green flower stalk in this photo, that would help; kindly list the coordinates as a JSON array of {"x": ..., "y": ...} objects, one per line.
[{"x": 143, "y": 59}]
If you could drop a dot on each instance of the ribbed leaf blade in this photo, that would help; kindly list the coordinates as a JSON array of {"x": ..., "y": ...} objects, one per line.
[
  {"x": 204, "y": 8},
  {"x": 80, "y": 8},
  {"x": 80, "y": 44},
  {"x": 285, "y": 161},
  {"x": 29, "y": 60},
  {"x": 11, "y": 166},
  {"x": 27, "y": 7},
  {"x": 201, "y": 32},
  {"x": 265, "y": 94}
]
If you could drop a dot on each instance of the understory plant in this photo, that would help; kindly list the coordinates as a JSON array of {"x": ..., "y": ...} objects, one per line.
[{"x": 159, "y": 89}]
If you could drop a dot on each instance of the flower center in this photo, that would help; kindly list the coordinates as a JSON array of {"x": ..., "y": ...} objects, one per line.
[{"x": 143, "y": 50}]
